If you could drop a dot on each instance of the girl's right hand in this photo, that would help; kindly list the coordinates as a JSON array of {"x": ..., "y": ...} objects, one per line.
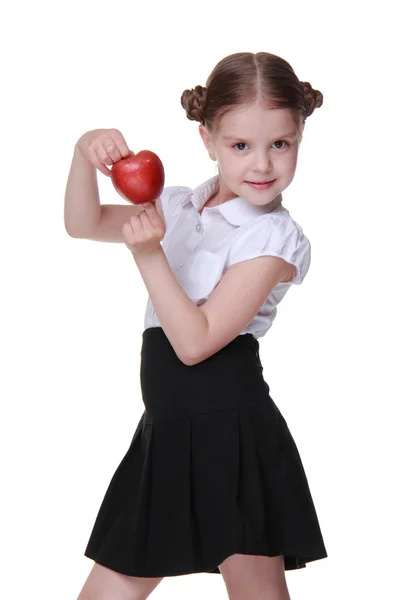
[{"x": 103, "y": 147}]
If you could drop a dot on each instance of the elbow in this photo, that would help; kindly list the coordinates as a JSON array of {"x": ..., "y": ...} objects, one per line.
[
  {"x": 188, "y": 360},
  {"x": 192, "y": 357},
  {"x": 77, "y": 234},
  {"x": 197, "y": 349},
  {"x": 70, "y": 231}
]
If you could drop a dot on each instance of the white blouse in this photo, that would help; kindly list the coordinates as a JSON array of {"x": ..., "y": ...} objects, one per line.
[{"x": 200, "y": 248}]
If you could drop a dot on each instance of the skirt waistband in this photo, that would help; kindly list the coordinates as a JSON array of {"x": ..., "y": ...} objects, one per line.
[{"x": 230, "y": 378}]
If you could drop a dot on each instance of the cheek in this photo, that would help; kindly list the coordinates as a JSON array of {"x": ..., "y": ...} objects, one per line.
[
  {"x": 234, "y": 162},
  {"x": 226, "y": 161},
  {"x": 232, "y": 168},
  {"x": 289, "y": 169},
  {"x": 288, "y": 163}
]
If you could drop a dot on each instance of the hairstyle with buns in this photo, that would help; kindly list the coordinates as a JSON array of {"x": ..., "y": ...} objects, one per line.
[{"x": 245, "y": 77}]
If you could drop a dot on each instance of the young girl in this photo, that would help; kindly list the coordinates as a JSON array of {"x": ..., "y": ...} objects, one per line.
[{"x": 212, "y": 481}]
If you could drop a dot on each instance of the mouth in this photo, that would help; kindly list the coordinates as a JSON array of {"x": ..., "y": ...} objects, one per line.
[
  {"x": 260, "y": 182},
  {"x": 260, "y": 185}
]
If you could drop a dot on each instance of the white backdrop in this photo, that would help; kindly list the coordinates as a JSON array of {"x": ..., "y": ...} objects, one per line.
[{"x": 72, "y": 310}]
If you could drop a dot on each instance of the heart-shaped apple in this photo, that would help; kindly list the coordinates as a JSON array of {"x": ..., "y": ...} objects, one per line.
[{"x": 139, "y": 178}]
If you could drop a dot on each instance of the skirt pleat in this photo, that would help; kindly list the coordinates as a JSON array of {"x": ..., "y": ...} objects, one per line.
[{"x": 212, "y": 470}]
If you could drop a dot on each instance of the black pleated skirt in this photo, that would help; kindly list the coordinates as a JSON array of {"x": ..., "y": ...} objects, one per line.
[{"x": 212, "y": 470}]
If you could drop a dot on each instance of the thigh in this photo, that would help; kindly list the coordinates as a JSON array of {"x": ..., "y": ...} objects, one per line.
[
  {"x": 105, "y": 584},
  {"x": 254, "y": 577}
]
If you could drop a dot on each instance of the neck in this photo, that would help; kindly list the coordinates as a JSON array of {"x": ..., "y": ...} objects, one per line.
[
  {"x": 274, "y": 203},
  {"x": 215, "y": 200}
]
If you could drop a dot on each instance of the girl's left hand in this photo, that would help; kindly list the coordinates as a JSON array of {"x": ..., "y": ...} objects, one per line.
[{"x": 144, "y": 232}]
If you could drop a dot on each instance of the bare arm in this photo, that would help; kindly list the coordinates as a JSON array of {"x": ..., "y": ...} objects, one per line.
[
  {"x": 81, "y": 203},
  {"x": 112, "y": 219},
  {"x": 197, "y": 332},
  {"x": 84, "y": 216}
]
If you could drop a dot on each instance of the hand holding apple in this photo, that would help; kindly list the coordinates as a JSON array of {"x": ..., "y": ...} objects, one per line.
[
  {"x": 143, "y": 232},
  {"x": 102, "y": 147},
  {"x": 139, "y": 177}
]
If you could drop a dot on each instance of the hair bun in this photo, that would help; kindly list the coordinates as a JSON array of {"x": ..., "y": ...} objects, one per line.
[
  {"x": 312, "y": 98},
  {"x": 194, "y": 102}
]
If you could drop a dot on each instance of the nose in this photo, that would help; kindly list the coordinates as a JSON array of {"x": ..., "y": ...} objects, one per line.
[{"x": 262, "y": 163}]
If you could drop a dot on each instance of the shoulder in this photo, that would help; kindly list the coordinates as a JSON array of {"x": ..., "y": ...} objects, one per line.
[
  {"x": 279, "y": 219},
  {"x": 276, "y": 226},
  {"x": 273, "y": 234}
]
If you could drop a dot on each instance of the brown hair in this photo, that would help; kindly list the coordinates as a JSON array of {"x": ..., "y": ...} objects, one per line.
[{"x": 243, "y": 78}]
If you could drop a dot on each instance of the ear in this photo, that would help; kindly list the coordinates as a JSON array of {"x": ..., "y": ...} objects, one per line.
[{"x": 206, "y": 137}]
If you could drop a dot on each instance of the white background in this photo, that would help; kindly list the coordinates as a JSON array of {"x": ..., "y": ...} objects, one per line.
[{"x": 72, "y": 310}]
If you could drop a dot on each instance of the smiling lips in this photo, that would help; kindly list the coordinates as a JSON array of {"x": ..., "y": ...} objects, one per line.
[
  {"x": 260, "y": 182},
  {"x": 261, "y": 185}
]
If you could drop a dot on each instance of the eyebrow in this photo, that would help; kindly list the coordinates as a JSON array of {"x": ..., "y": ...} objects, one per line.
[{"x": 230, "y": 138}]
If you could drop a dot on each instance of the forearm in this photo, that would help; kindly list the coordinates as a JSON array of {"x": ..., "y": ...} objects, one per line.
[
  {"x": 82, "y": 202},
  {"x": 183, "y": 322}
]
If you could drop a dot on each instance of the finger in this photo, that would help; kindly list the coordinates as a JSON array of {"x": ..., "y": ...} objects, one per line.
[
  {"x": 151, "y": 214},
  {"x": 128, "y": 233},
  {"x": 102, "y": 156},
  {"x": 121, "y": 145},
  {"x": 110, "y": 151},
  {"x": 136, "y": 224},
  {"x": 146, "y": 222},
  {"x": 158, "y": 207},
  {"x": 98, "y": 164},
  {"x": 152, "y": 224}
]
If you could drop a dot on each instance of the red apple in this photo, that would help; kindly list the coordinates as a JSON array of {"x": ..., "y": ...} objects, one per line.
[{"x": 139, "y": 178}]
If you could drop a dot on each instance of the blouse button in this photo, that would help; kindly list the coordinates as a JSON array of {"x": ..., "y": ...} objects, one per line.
[{"x": 198, "y": 227}]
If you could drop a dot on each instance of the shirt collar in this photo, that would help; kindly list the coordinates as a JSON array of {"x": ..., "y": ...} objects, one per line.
[{"x": 238, "y": 210}]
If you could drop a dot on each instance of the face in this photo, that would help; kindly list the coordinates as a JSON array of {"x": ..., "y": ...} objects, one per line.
[{"x": 254, "y": 145}]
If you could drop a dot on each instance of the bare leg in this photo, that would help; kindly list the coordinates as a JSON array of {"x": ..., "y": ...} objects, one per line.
[
  {"x": 105, "y": 584},
  {"x": 251, "y": 577}
]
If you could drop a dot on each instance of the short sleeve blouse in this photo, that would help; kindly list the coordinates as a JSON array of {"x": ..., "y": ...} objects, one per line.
[
  {"x": 202, "y": 242},
  {"x": 273, "y": 234}
]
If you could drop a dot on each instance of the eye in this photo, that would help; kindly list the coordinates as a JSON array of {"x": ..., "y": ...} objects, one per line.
[
  {"x": 239, "y": 144},
  {"x": 281, "y": 142}
]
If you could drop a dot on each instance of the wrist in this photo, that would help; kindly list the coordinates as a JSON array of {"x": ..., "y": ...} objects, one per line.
[
  {"x": 148, "y": 255},
  {"x": 80, "y": 157}
]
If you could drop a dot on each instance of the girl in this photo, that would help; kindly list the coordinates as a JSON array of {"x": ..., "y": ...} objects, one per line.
[{"x": 212, "y": 481}]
